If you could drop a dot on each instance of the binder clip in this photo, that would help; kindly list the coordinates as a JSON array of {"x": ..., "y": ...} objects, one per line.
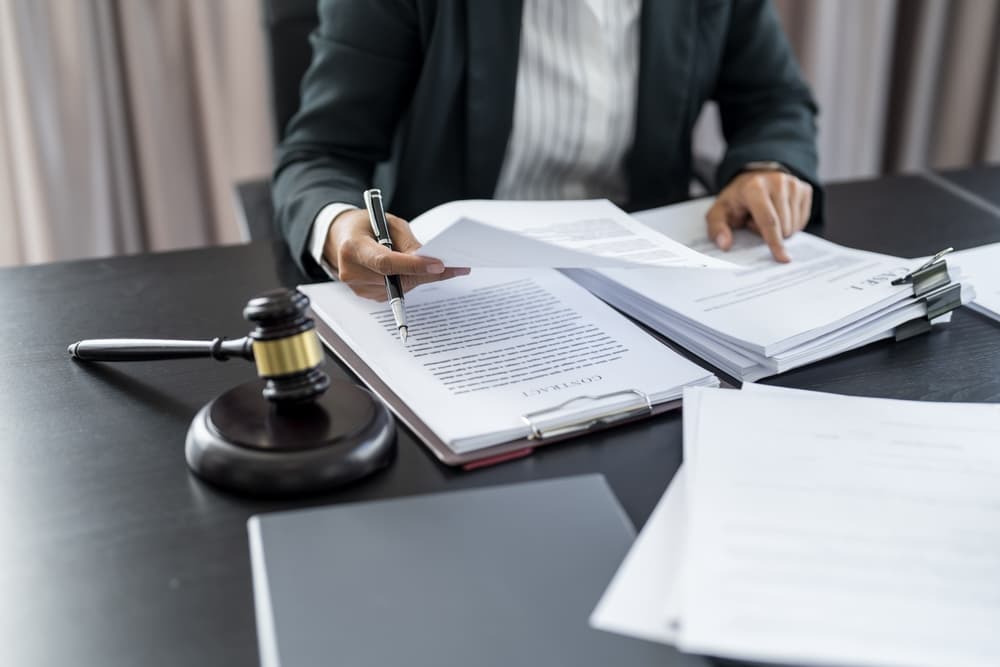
[
  {"x": 575, "y": 416},
  {"x": 932, "y": 285},
  {"x": 931, "y": 275}
]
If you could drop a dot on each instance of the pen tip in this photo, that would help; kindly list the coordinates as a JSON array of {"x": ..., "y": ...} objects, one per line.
[{"x": 402, "y": 334}]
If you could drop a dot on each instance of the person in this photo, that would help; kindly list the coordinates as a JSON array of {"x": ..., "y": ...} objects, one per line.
[{"x": 436, "y": 100}]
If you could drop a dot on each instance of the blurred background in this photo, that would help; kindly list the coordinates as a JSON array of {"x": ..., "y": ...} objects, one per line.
[{"x": 124, "y": 124}]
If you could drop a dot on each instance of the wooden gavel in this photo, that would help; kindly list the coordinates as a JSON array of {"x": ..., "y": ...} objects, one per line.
[
  {"x": 302, "y": 438},
  {"x": 284, "y": 346}
]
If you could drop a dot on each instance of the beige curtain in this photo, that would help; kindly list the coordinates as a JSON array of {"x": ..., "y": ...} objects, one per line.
[
  {"x": 902, "y": 85},
  {"x": 946, "y": 111},
  {"x": 124, "y": 123},
  {"x": 845, "y": 50}
]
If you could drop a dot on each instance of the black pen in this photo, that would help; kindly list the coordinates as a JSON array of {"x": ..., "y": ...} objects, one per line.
[{"x": 380, "y": 227}]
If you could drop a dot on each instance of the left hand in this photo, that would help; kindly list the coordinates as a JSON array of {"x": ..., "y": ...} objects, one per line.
[{"x": 772, "y": 203}]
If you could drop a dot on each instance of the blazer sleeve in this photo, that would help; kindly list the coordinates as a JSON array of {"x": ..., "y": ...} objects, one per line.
[
  {"x": 766, "y": 108},
  {"x": 366, "y": 59}
]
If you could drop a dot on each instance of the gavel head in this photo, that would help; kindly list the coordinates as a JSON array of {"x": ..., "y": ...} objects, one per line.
[{"x": 286, "y": 348}]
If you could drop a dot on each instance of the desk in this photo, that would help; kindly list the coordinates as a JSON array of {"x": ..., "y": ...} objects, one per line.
[{"x": 114, "y": 555}]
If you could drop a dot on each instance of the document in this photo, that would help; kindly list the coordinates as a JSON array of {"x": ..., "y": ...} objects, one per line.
[
  {"x": 749, "y": 365},
  {"x": 489, "y": 349},
  {"x": 981, "y": 267},
  {"x": 813, "y": 528},
  {"x": 763, "y": 317},
  {"x": 548, "y": 234},
  {"x": 841, "y": 530},
  {"x": 642, "y": 600},
  {"x": 765, "y": 306}
]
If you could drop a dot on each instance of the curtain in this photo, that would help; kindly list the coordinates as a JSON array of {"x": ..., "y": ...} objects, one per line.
[
  {"x": 946, "y": 110},
  {"x": 124, "y": 123},
  {"x": 902, "y": 85}
]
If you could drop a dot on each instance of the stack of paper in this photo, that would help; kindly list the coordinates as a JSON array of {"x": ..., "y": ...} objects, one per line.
[
  {"x": 820, "y": 529},
  {"x": 766, "y": 317},
  {"x": 495, "y": 355}
]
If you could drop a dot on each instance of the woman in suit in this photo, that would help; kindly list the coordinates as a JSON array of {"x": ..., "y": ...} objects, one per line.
[{"x": 537, "y": 99}]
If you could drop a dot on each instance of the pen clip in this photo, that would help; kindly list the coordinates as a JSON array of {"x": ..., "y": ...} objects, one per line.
[
  {"x": 909, "y": 277},
  {"x": 380, "y": 228}
]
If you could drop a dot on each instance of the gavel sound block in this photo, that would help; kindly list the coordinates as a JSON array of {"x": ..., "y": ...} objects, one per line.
[{"x": 291, "y": 432}]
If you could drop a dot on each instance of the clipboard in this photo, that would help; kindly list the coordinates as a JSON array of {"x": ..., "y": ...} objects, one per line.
[{"x": 542, "y": 433}]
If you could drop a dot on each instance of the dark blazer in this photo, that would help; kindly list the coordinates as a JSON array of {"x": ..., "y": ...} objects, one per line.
[{"x": 424, "y": 89}]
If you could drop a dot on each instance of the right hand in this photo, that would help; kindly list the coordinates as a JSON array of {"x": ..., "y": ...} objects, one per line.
[{"x": 362, "y": 262}]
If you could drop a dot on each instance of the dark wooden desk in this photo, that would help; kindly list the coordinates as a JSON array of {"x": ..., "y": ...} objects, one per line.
[
  {"x": 982, "y": 181},
  {"x": 114, "y": 555}
]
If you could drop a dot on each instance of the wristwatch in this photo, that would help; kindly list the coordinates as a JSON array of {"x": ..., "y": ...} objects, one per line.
[{"x": 765, "y": 165}]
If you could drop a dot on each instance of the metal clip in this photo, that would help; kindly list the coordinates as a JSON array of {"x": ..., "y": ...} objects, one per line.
[
  {"x": 931, "y": 275},
  {"x": 941, "y": 301},
  {"x": 585, "y": 420}
]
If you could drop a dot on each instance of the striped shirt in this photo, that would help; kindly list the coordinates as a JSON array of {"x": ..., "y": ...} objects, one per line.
[{"x": 574, "y": 106}]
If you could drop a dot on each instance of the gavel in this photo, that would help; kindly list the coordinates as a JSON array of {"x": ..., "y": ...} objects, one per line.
[
  {"x": 285, "y": 434},
  {"x": 284, "y": 347}
]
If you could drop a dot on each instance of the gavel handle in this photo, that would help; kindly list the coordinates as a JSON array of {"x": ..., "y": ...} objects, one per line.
[{"x": 140, "y": 349}]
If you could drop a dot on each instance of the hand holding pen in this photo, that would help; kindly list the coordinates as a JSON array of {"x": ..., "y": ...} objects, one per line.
[
  {"x": 393, "y": 288},
  {"x": 360, "y": 261}
]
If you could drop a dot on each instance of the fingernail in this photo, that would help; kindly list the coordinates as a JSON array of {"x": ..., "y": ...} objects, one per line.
[
  {"x": 435, "y": 268},
  {"x": 720, "y": 240}
]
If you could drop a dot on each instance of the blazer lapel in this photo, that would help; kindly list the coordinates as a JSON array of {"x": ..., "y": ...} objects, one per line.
[
  {"x": 494, "y": 35},
  {"x": 666, "y": 51}
]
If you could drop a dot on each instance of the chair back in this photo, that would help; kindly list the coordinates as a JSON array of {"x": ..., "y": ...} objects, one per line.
[{"x": 287, "y": 25}]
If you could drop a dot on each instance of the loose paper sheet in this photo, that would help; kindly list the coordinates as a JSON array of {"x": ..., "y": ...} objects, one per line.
[
  {"x": 822, "y": 529},
  {"x": 540, "y": 234},
  {"x": 635, "y": 603},
  {"x": 981, "y": 267},
  {"x": 842, "y": 530}
]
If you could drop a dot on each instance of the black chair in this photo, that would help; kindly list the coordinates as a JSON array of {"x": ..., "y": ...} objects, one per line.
[{"x": 287, "y": 25}]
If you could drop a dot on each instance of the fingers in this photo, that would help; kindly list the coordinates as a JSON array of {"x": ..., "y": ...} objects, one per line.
[
  {"x": 777, "y": 203},
  {"x": 360, "y": 258},
  {"x": 767, "y": 220},
  {"x": 781, "y": 199},
  {"x": 376, "y": 290},
  {"x": 798, "y": 198},
  {"x": 363, "y": 263},
  {"x": 376, "y": 257},
  {"x": 409, "y": 282},
  {"x": 403, "y": 239},
  {"x": 805, "y": 204},
  {"x": 718, "y": 225}
]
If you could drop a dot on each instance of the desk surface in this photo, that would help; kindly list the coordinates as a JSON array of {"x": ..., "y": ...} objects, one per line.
[{"x": 114, "y": 555}]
